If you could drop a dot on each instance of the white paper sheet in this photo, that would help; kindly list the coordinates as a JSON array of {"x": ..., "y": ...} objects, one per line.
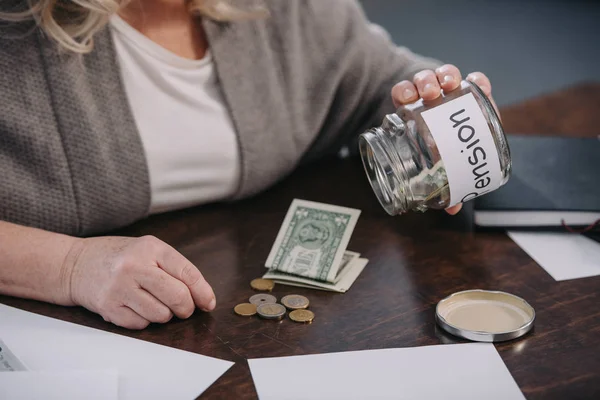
[
  {"x": 146, "y": 370},
  {"x": 67, "y": 385},
  {"x": 563, "y": 255},
  {"x": 457, "y": 371}
]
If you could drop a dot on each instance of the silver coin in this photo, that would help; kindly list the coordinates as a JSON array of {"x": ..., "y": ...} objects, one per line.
[
  {"x": 271, "y": 311},
  {"x": 295, "y": 302},
  {"x": 262, "y": 298}
]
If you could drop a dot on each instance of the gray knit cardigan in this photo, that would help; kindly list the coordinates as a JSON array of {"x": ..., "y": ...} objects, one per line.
[{"x": 297, "y": 84}]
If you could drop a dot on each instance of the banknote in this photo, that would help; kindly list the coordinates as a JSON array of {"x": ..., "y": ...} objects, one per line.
[
  {"x": 347, "y": 259},
  {"x": 8, "y": 361},
  {"x": 312, "y": 241},
  {"x": 344, "y": 281}
]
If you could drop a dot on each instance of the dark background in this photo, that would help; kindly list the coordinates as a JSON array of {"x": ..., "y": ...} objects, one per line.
[{"x": 526, "y": 47}]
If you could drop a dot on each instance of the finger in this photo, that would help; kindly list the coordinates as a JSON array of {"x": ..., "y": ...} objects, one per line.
[
  {"x": 482, "y": 81},
  {"x": 448, "y": 77},
  {"x": 179, "y": 267},
  {"x": 427, "y": 85},
  {"x": 127, "y": 318},
  {"x": 170, "y": 291},
  {"x": 404, "y": 92},
  {"x": 148, "y": 306},
  {"x": 454, "y": 209}
]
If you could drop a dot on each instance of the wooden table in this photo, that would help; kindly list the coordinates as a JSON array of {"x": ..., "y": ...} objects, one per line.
[{"x": 415, "y": 260}]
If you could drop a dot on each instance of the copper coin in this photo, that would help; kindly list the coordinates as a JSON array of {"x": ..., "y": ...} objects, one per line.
[
  {"x": 245, "y": 309},
  {"x": 304, "y": 316},
  {"x": 264, "y": 285}
]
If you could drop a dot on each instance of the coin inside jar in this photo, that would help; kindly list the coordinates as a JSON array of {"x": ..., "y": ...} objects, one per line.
[
  {"x": 271, "y": 311},
  {"x": 263, "y": 298},
  {"x": 295, "y": 302},
  {"x": 245, "y": 309},
  {"x": 304, "y": 316},
  {"x": 264, "y": 285}
]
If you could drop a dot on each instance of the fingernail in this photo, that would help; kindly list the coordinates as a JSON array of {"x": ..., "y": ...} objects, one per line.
[
  {"x": 428, "y": 88},
  {"x": 212, "y": 304},
  {"x": 408, "y": 94},
  {"x": 448, "y": 78}
]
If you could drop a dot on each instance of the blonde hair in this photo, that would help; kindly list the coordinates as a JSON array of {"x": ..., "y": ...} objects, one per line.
[{"x": 73, "y": 23}]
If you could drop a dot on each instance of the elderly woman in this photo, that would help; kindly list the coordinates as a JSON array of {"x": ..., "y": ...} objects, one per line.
[{"x": 112, "y": 110}]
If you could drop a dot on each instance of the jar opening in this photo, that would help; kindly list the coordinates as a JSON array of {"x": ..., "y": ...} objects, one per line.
[
  {"x": 382, "y": 177},
  {"x": 499, "y": 138}
]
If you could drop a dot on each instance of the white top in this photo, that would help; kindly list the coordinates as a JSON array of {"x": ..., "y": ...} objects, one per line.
[{"x": 187, "y": 133}]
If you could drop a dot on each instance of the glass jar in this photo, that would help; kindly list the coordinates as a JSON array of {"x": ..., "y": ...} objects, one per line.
[{"x": 436, "y": 154}]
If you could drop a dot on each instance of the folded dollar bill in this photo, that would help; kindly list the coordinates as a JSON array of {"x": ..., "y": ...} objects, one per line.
[
  {"x": 343, "y": 283},
  {"x": 312, "y": 241}
]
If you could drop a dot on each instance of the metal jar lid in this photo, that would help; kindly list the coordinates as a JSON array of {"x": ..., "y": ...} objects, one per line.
[{"x": 485, "y": 316}]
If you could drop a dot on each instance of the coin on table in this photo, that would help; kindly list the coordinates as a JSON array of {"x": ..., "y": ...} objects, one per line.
[
  {"x": 263, "y": 298},
  {"x": 305, "y": 316},
  {"x": 294, "y": 302},
  {"x": 245, "y": 309},
  {"x": 264, "y": 285},
  {"x": 271, "y": 311}
]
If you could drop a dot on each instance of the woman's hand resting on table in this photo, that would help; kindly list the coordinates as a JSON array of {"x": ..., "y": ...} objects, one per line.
[
  {"x": 132, "y": 282},
  {"x": 427, "y": 85}
]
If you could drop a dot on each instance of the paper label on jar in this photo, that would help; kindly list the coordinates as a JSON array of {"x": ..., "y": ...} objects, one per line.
[{"x": 467, "y": 148}]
